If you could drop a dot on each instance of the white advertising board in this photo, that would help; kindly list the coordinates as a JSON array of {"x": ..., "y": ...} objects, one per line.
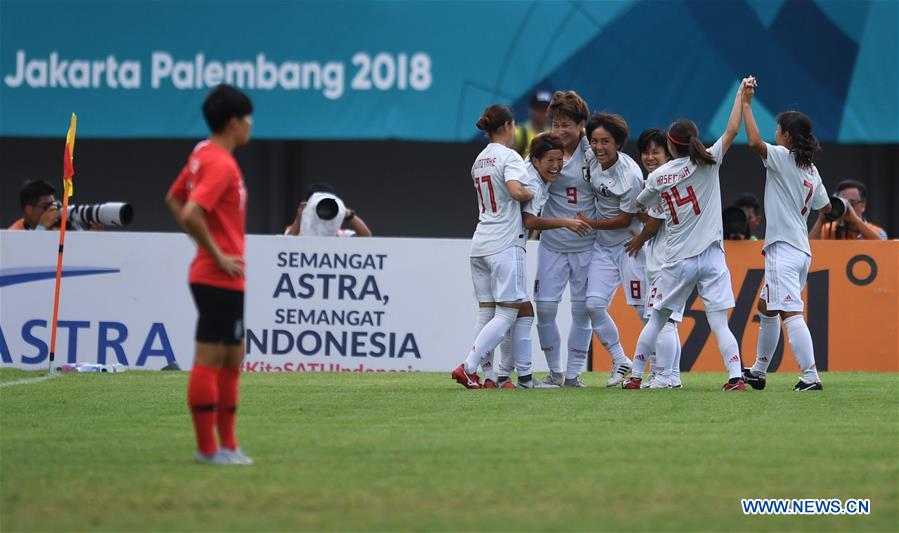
[{"x": 312, "y": 304}]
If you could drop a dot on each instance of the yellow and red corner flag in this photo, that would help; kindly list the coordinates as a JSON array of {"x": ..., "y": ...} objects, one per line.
[{"x": 68, "y": 159}]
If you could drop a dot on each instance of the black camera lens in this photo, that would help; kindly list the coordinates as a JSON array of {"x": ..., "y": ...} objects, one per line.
[{"x": 326, "y": 209}]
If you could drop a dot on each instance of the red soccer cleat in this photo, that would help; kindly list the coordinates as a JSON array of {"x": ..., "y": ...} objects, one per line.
[
  {"x": 469, "y": 381},
  {"x": 631, "y": 383},
  {"x": 738, "y": 386},
  {"x": 489, "y": 384},
  {"x": 507, "y": 385}
]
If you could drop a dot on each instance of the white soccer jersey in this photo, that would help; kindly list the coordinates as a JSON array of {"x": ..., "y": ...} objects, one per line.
[
  {"x": 790, "y": 195},
  {"x": 615, "y": 191},
  {"x": 692, "y": 197},
  {"x": 499, "y": 215},
  {"x": 568, "y": 196},
  {"x": 655, "y": 248},
  {"x": 537, "y": 186}
]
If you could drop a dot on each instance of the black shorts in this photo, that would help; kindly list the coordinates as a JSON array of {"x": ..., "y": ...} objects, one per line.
[{"x": 220, "y": 314}]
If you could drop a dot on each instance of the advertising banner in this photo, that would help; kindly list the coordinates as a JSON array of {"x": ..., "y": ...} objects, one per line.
[
  {"x": 425, "y": 70},
  {"x": 383, "y": 304}
]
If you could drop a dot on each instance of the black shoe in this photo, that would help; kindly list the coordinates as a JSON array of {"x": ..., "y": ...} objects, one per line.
[
  {"x": 803, "y": 386},
  {"x": 756, "y": 382}
]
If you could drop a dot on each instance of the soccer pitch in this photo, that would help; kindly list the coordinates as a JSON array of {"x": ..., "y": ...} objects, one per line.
[{"x": 419, "y": 452}]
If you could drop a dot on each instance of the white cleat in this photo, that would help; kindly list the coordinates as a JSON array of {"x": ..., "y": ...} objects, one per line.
[
  {"x": 618, "y": 373},
  {"x": 574, "y": 382},
  {"x": 552, "y": 381},
  {"x": 237, "y": 456}
]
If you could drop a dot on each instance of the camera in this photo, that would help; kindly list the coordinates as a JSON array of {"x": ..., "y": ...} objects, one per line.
[
  {"x": 735, "y": 223},
  {"x": 838, "y": 208},
  {"x": 117, "y": 214},
  {"x": 323, "y": 215}
]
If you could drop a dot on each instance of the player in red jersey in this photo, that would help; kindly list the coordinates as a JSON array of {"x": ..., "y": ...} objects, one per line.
[{"x": 209, "y": 200}]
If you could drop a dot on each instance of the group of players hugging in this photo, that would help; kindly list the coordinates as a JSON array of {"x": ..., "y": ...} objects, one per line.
[{"x": 603, "y": 225}]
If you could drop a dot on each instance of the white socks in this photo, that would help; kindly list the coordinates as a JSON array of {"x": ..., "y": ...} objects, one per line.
[
  {"x": 727, "y": 343},
  {"x": 769, "y": 336},
  {"x": 801, "y": 344},
  {"x": 578, "y": 340},
  {"x": 649, "y": 337},
  {"x": 490, "y": 336},
  {"x": 521, "y": 345},
  {"x": 506, "y": 357},
  {"x": 668, "y": 351},
  {"x": 606, "y": 330},
  {"x": 548, "y": 333}
]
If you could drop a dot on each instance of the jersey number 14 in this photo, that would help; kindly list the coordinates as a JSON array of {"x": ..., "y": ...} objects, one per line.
[{"x": 689, "y": 199}]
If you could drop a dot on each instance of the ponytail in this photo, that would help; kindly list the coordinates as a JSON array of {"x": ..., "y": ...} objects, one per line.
[
  {"x": 684, "y": 136},
  {"x": 804, "y": 145},
  {"x": 494, "y": 117}
]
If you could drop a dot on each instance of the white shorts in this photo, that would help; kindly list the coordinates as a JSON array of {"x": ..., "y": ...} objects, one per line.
[
  {"x": 555, "y": 269},
  {"x": 706, "y": 271},
  {"x": 786, "y": 269},
  {"x": 677, "y": 315},
  {"x": 610, "y": 267},
  {"x": 500, "y": 277}
]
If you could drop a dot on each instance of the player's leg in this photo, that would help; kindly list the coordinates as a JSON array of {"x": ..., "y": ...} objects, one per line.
[
  {"x": 506, "y": 359},
  {"x": 521, "y": 345},
  {"x": 229, "y": 376},
  {"x": 794, "y": 271},
  {"x": 552, "y": 276},
  {"x": 769, "y": 324},
  {"x": 633, "y": 282},
  {"x": 507, "y": 281},
  {"x": 670, "y": 291},
  {"x": 717, "y": 295},
  {"x": 209, "y": 355},
  {"x": 580, "y": 333},
  {"x": 603, "y": 280},
  {"x": 480, "y": 279}
]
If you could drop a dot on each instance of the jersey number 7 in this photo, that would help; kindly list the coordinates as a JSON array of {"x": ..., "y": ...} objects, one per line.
[
  {"x": 808, "y": 185},
  {"x": 477, "y": 184},
  {"x": 689, "y": 199}
]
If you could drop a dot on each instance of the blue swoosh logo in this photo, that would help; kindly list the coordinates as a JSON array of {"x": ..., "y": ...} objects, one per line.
[{"x": 14, "y": 276}]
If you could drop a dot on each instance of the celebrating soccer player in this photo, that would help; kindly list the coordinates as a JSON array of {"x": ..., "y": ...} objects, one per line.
[
  {"x": 497, "y": 247},
  {"x": 691, "y": 191},
  {"x": 793, "y": 188}
]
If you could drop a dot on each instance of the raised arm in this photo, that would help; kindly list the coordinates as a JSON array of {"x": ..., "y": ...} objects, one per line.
[
  {"x": 752, "y": 130},
  {"x": 733, "y": 123}
]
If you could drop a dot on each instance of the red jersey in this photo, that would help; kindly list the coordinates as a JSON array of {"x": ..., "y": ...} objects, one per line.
[{"x": 212, "y": 179}]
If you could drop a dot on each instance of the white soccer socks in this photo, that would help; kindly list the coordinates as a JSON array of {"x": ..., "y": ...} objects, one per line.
[
  {"x": 727, "y": 343},
  {"x": 606, "y": 330},
  {"x": 578, "y": 340},
  {"x": 769, "y": 336},
  {"x": 548, "y": 334},
  {"x": 490, "y": 336},
  {"x": 521, "y": 345},
  {"x": 801, "y": 344}
]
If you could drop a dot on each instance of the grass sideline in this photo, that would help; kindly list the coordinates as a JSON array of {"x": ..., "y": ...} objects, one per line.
[{"x": 418, "y": 452}]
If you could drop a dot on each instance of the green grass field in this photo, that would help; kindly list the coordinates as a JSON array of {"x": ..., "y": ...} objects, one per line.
[{"x": 418, "y": 452}]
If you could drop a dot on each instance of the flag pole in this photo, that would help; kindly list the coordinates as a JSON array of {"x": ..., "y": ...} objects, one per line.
[{"x": 68, "y": 172}]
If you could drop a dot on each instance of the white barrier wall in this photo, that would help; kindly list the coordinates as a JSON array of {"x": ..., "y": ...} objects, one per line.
[{"x": 312, "y": 304}]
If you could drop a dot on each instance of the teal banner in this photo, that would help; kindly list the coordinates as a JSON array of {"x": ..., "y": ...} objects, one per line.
[{"x": 421, "y": 70}]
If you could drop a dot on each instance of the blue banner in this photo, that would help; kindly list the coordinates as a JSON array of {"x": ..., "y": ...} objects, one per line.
[{"x": 425, "y": 70}]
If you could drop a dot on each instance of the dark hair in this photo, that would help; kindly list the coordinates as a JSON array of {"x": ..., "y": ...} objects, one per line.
[
  {"x": 223, "y": 103},
  {"x": 686, "y": 141},
  {"x": 804, "y": 144},
  {"x": 653, "y": 135},
  {"x": 543, "y": 143},
  {"x": 852, "y": 184},
  {"x": 568, "y": 104},
  {"x": 32, "y": 191},
  {"x": 319, "y": 187},
  {"x": 614, "y": 124},
  {"x": 494, "y": 117},
  {"x": 750, "y": 201}
]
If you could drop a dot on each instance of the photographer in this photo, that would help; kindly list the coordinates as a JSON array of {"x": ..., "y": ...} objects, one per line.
[
  {"x": 852, "y": 225},
  {"x": 323, "y": 213},
  {"x": 39, "y": 208}
]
